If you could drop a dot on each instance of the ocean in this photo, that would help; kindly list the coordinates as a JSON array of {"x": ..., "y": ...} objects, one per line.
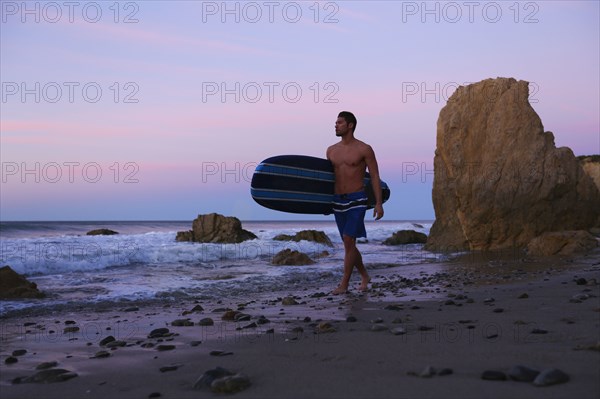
[{"x": 145, "y": 263}]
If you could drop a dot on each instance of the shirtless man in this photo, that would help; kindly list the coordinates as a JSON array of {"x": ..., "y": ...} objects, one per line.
[{"x": 350, "y": 158}]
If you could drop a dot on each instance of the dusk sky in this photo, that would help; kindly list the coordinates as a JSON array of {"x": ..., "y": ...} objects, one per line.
[{"x": 156, "y": 110}]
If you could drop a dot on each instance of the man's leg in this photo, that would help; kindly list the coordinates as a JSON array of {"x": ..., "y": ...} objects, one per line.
[
  {"x": 365, "y": 278},
  {"x": 352, "y": 257}
]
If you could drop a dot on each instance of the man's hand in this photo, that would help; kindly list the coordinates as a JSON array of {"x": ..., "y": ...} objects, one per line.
[{"x": 378, "y": 212}]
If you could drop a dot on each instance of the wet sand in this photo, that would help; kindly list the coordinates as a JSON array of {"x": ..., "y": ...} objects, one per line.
[{"x": 469, "y": 316}]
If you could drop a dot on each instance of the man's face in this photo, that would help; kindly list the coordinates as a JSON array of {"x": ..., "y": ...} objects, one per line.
[{"x": 341, "y": 127}]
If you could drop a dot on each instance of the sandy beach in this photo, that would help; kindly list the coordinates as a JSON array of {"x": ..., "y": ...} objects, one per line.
[{"x": 415, "y": 334}]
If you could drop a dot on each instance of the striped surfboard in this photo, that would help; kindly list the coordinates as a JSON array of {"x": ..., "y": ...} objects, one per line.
[{"x": 300, "y": 184}]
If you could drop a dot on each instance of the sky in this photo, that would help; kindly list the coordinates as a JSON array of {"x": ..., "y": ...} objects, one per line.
[{"x": 156, "y": 110}]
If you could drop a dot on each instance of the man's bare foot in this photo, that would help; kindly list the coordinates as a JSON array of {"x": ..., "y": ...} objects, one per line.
[
  {"x": 364, "y": 285},
  {"x": 340, "y": 290}
]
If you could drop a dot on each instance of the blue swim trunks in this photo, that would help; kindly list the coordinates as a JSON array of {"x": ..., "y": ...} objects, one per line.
[{"x": 349, "y": 211}]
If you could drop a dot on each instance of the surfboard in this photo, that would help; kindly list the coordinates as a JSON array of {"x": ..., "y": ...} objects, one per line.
[{"x": 300, "y": 184}]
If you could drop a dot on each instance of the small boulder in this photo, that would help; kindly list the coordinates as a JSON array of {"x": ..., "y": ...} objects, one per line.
[
  {"x": 308, "y": 235},
  {"x": 291, "y": 258},
  {"x": 101, "y": 232},
  {"x": 13, "y": 285},
  {"x": 289, "y": 301},
  {"x": 215, "y": 228},
  {"x": 406, "y": 237}
]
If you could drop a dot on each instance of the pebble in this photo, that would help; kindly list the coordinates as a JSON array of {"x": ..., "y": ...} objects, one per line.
[
  {"x": 325, "y": 327},
  {"x": 207, "y": 321},
  {"x": 398, "y": 331},
  {"x": 106, "y": 340},
  {"x": 251, "y": 325},
  {"x": 581, "y": 281},
  {"x": 262, "y": 320},
  {"x": 242, "y": 317},
  {"x": 169, "y": 368},
  {"x": 209, "y": 376},
  {"x": 427, "y": 372},
  {"x": 523, "y": 296},
  {"x": 230, "y": 384},
  {"x": 394, "y": 307},
  {"x": 182, "y": 323},
  {"x": 46, "y": 365},
  {"x": 165, "y": 347},
  {"x": 47, "y": 376},
  {"x": 220, "y": 353},
  {"x": 523, "y": 373},
  {"x": 154, "y": 395},
  {"x": 116, "y": 344},
  {"x": 288, "y": 301},
  {"x": 579, "y": 298},
  {"x": 539, "y": 331},
  {"x": 430, "y": 371},
  {"x": 159, "y": 333},
  {"x": 498, "y": 310},
  {"x": 196, "y": 308},
  {"x": 19, "y": 352},
  {"x": 493, "y": 375},
  {"x": 11, "y": 360},
  {"x": 377, "y": 320},
  {"x": 100, "y": 355},
  {"x": 230, "y": 315},
  {"x": 72, "y": 329},
  {"x": 550, "y": 377},
  {"x": 379, "y": 327},
  {"x": 195, "y": 343},
  {"x": 351, "y": 319}
]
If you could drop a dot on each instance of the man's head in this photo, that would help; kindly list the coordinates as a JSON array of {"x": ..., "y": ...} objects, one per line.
[{"x": 346, "y": 123}]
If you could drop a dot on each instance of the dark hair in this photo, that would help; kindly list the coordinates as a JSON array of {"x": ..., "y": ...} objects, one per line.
[{"x": 349, "y": 118}]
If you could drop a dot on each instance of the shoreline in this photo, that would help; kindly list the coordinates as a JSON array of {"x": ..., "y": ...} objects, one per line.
[{"x": 470, "y": 317}]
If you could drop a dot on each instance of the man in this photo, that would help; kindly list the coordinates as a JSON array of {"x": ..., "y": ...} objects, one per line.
[{"x": 350, "y": 158}]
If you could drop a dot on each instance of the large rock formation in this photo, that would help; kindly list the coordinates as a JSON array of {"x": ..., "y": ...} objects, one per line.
[
  {"x": 13, "y": 285},
  {"x": 591, "y": 166},
  {"x": 499, "y": 180},
  {"x": 215, "y": 228},
  {"x": 562, "y": 243}
]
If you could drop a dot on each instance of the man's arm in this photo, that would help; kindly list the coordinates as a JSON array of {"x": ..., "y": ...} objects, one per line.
[{"x": 371, "y": 162}]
